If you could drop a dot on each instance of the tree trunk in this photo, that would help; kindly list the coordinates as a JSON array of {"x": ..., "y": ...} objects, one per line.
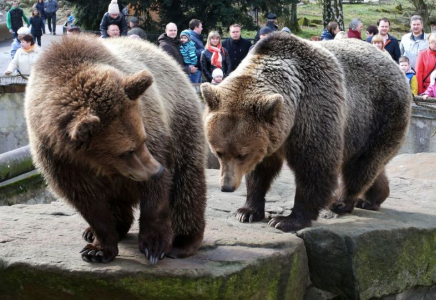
[
  {"x": 332, "y": 11},
  {"x": 292, "y": 22}
]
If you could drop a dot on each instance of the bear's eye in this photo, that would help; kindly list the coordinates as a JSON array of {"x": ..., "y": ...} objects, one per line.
[
  {"x": 241, "y": 157},
  {"x": 127, "y": 154},
  {"x": 219, "y": 154}
]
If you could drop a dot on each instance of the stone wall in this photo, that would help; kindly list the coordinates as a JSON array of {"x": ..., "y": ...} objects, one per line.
[{"x": 13, "y": 133}]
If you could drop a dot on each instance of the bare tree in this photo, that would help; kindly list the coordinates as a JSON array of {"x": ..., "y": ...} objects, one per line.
[{"x": 424, "y": 9}]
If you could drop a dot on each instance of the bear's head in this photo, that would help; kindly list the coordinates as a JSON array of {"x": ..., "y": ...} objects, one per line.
[
  {"x": 104, "y": 124},
  {"x": 242, "y": 128}
]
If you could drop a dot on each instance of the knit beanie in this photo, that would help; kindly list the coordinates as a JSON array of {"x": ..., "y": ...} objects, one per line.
[
  {"x": 113, "y": 8},
  {"x": 185, "y": 33},
  {"x": 23, "y": 30},
  {"x": 217, "y": 72}
]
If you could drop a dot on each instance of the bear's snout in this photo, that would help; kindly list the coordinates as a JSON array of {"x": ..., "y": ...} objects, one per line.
[
  {"x": 159, "y": 173},
  {"x": 227, "y": 188}
]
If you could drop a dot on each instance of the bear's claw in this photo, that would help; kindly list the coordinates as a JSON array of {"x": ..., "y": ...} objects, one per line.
[
  {"x": 246, "y": 214},
  {"x": 367, "y": 205},
  {"x": 289, "y": 223},
  {"x": 96, "y": 254},
  {"x": 88, "y": 235},
  {"x": 341, "y": 208}
]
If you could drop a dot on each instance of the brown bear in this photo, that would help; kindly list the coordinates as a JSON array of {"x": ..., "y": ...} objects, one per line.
[
  {"x": 114, "y": 123},
  {"x": 333, "y": 110}
]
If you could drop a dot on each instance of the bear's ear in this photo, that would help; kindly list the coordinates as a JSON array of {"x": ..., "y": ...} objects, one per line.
[
  {"x": 82, "y": 128},
  {"x": 135, "y": 85},
  {"x": 268, "y": 105},
  {"x": 210, "y": 96}
]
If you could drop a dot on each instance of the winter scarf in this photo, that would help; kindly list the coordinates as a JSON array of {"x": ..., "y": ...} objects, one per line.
[{"x": 217, "y": 59}]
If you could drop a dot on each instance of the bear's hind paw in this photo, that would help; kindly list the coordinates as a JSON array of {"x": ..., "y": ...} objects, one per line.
[
  {"x": 289, "y": 223},
  {"x": 367, "y": 205},
  {"x": 341, "y": 208},
  {"x": 247, "y": 214},
  {"x": 92, "y": 253}
]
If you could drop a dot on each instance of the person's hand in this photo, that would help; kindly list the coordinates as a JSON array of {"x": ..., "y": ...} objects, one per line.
[
  {"x": 193, "y": 69},
  {"x": 424, "y": 97},
  {"x": 11, "y": 31},
  {"x": 7, "y": 72}
]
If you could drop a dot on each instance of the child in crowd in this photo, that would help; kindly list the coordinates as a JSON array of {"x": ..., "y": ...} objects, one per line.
[
  {"x": 217, "y": 76},
  {"x": 379, "y": 43},
  {"x": 410, "y": 74},
  {"x": 37, "y": 26},
  {"x": 187, "y": 49},
  {"x": 431, "y": 90}
]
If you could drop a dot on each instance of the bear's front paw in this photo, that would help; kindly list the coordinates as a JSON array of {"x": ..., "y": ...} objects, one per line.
[
  {"x": 290, "y": 223},
  {"x": 367, "y": 205},
  {"x": 341, "y": 208},
  {"x": 185, "y": 245},
  {"x": 92, "y": 253},
  {"x": 248, "y": 214},
  {"x": 88, "y": 235},
  {"x": 154, "y": 246}
]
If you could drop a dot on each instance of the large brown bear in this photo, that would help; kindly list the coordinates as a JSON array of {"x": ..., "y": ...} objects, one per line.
[
  {"x": 115, "y": 123},
  {"x": 333, "y": 110}
]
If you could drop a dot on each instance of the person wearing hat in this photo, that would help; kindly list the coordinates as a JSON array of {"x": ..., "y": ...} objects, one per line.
[
  {"x": 187, "y": 49},
  {"x": 51, "y": 7},
  {"x": 113, "y": 16},
  {"x": 271, "y": 23},
  {"x": 14, "y": 19},
  {"x": 263, "y": 33},
  {"x": 16, "y": 44},
  {"x": 135, "y": 29},
  {"x": 217, "y": 76}
]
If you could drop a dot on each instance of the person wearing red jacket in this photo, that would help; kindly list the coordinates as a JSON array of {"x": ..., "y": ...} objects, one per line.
[{"x": 426, "y": 63}]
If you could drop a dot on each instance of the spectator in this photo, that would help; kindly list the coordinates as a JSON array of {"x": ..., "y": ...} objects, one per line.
[
  {"x": 73, "y": 30},
  {"x": 16, "y": 44},
  {"x": 51, "y": 7},
  {"x": 113, "y": 16},
  {"x": 431, "y": 90},
  {"x": 237, "y": 46},
  {"x": 14, "y": 19},
  {"x": 341, "y": 35},
  {"x": 215, "y": 56},
  {"x": 271, "y": 23},
  {"x": 113, "y": 31},
  {"x": 390, "y": 43},
  {"x": 37, "y": 25},
  {"x": 25, "y": 57},
  {"x": 355, "y": 29},
  {"x": 135, "y": 29},
  {"x": 371, "y": 30},
  {"x": 169, "y": 42},
  {"x": 330, "y": 31},
  {"x": 187, "y": 49},
  {"x": 378, "y": 42},
  {"x": 195, "y": 29},
  {"x": 217, "y": 76},
  {"x": 410, "y": 74},
  {"x": 426, "y": 63},
  {"x": 40, "y": 7},
  {"x": 263, "y": 33},
  {"x": 415, "y": 41}
]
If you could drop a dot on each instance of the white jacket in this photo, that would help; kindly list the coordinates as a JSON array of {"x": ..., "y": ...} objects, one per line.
[
  {"x": 411, "y": 48},
  {"x": 24, "y": 60}
]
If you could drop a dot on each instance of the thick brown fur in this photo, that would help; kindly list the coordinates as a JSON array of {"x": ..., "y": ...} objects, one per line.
[
  {"x": 115, "y": 123},
  {"x": 337, "y": 109}
]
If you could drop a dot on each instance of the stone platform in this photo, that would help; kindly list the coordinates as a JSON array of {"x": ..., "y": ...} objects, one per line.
[{"x": 365, "y": 255}]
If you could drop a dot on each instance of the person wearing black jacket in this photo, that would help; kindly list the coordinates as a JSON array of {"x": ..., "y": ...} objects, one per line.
[
  {"x": 40, "y": 7},
  {"x": 215, "y": 56},
  {"x": 237, "y": 46},
  {"x": 271, "y": 23},
  {"x": 37, "y": 26},
  {"x": 113, "y": 16}
]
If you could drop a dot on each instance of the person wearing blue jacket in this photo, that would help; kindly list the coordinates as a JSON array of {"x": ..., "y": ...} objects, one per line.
[
  {"x": 187, "y": 49},
  {"x": 195, "y": 29},
  {"x": 330, "y": 31},
  {"x": 40, "y": 7},
  {"x": 113, "y": 16},
  {"x": 51, "y": 7}
]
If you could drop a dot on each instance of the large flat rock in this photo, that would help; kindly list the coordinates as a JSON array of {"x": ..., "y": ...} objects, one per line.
[
  {"x": 40, "y": 244},
  {"x": 360, "y": 256}
]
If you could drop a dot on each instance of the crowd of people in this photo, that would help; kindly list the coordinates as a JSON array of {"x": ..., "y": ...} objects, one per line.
[{"x": 415, "y": 52}]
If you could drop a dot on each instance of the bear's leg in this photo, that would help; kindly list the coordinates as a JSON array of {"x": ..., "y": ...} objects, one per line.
[
  {"x": 155, "y": 232},
  {"x": 376, "y": 194},
  {"x": 188, "y": 204},
  {"x": 102, "y": 232},
  {"x": 258, "y": 183},
  {"x": 358, "y": 175}
]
